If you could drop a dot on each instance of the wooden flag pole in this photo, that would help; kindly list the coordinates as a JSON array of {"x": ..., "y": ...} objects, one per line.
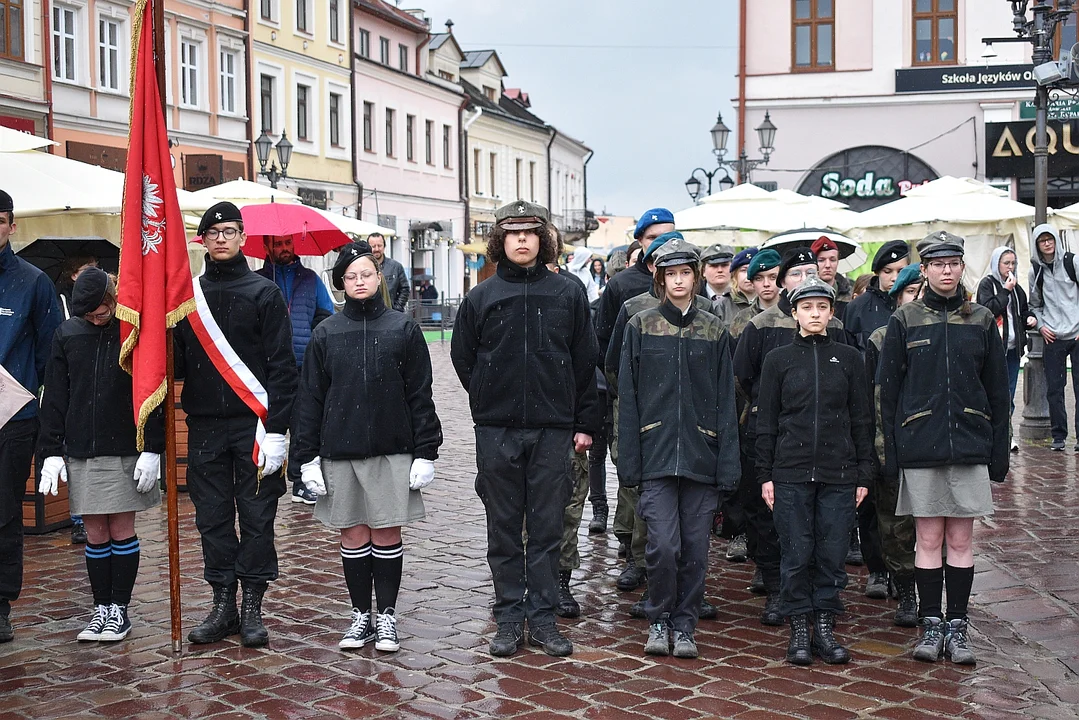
[{"x": 171, "y": 494}]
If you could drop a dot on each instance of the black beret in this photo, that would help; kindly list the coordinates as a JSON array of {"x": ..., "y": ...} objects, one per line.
[
  {"x": 890, "y": 252},
  {"x": 221, "y": 212},
  {"x": 6, "y": 203},
  {"x": 346, "y": 256},
  {"x": 794, "y": 258},
  {"x": 89, "y": 291}
]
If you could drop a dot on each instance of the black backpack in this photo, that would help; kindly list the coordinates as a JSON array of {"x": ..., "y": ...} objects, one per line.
[{"x": 1069, "y": 267}]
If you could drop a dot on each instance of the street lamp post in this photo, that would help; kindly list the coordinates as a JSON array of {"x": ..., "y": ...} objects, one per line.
[
  {"x": 742, "y": 166},
  {"x": 284, "y": 154}
]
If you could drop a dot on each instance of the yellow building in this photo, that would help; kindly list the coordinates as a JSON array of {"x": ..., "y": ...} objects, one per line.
[{"x": 300, "y": 87}]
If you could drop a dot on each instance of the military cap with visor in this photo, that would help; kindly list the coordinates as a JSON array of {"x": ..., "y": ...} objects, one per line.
[
  {"x": 940, "y": 244},
  {"x": 521, "y": 215},
  {"x": 676, "y": 250},
  {"x": 717, "y": 254},
  {"x": 812, "y": 287},
  {"x": 223, "y": 211}
]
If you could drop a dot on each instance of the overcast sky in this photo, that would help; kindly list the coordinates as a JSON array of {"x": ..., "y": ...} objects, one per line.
[{"x": 639, "y": 82}]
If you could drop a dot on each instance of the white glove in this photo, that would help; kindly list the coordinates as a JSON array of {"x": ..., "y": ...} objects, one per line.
[
  {"x": 147, "y": 471},
  {"x": 311, "y": 477},
  {"x": 422, "y": 474},
  {"x": 52, "y": 471},
  {"x": 272, "y": 453}
]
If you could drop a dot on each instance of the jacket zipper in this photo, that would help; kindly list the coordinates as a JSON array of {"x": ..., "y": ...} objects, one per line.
[
  {"x": 948, "y": 375},
  {"x": 678, "y": 447},
  {"x": 816, "y": 411},
  {"x": 524, "y": 385},
  {"x": 93, "y": 415}
]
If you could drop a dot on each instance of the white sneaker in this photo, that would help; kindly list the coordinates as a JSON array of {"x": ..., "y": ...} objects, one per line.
[
  {"x": 360, "y": 633},
  {"x": 117, "y": 625},
  {"x": 386, "y": 631},
  {"x": 96, "y": 624}
]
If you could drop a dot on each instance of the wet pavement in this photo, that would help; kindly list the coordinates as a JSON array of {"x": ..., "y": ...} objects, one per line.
[{"x": 1024, "y": 617}]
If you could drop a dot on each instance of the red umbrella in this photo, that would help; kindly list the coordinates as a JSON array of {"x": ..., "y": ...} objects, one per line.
[{"x": 312, "y": 233}]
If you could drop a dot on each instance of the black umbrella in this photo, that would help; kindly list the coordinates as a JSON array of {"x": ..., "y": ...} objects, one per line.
[{"x": 50, "y": 253}]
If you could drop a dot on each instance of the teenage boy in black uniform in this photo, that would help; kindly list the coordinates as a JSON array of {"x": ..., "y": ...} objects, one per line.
[
  {"x": 222, "y": 476},
  {"x": 524, "y": 348}
]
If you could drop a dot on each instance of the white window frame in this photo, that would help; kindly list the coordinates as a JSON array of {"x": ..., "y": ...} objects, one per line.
[
  {"x": 342, "y": 26},
  {"x": 342, "y": 151},
  {"x": 67, "y": 34},
  {"x": 363, "y": 43},
  {"x": 275, "y": 14},
  {"x": 189, "y": 71},
  {"x": 384, "y": 47},
  {"x": 236, "y": 47},
  {"x": 309, "y": 12},
  {"x": 311, "y": 145},
  {"x": 228, "y": 79},
  {"x": 277, "y": 72},
  {"x": 303, "y": 118},
  {"x": 109, "y": 56}
]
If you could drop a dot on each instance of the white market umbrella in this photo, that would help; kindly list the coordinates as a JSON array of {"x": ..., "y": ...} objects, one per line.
[
  {"x": 355, "y": 225},
  {"x": 245, "y": 192},
  {"x": 18, "y": 141}
]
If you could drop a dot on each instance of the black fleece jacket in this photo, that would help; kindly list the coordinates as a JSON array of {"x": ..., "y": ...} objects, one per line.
[
  {"x": 867, "y": 312},
  {"x": 524, "y": 348},
  {"x": 943, "y": 388},
  {"x": 814, "y": 422},
  {"x": 252, "y": 314},
  {"x": 86, "y": 409},
  {"x": 365, "y": 388},
  {"x": 631, "y": 282}
]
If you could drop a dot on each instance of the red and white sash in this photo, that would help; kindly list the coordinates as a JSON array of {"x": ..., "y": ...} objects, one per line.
[{"x": 233, "y": 369}]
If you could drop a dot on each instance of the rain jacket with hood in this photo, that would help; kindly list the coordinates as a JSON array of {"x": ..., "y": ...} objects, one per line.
[
  {"x": 1009, "y": 308},
  {"x": 1054, "y": 296},
  {"x": 580, "y": 266}
]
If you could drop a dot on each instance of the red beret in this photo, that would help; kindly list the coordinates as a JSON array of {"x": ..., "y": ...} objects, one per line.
[{"x": 822, "y": 244}]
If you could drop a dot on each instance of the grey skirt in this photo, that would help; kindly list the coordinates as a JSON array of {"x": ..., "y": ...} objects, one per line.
[
  {"x": 372, "y": 492},
  {"x": 106, "y": 485},
  {"x": 958, "y": 491}
]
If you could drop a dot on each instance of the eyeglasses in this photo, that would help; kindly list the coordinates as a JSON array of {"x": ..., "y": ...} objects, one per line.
[
  {"x": 364, "y": 276},
  {"x": 106, "y": 315},
  {"x": 213, "y": 233},
  {"x": 941, "y": 265},
  {"x": 802, "y": 273}
]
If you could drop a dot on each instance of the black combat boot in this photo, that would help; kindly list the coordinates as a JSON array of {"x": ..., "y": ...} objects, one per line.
[
  {"x": 567, "y": 606},
  {"x": 252, "y": 631},
  {"x": 798, "y": 650},
  {"x": 906, "y": 615},
  {"x": 223, "y": 619},
  {"x": 824, "y": 644},
  {"x": 598, "y": 524}
]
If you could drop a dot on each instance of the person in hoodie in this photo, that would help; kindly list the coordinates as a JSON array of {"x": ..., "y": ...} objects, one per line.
[
  {"x": 579, "y": 265},
  {"x": 88, "y": 433},
  {"x": 1000, "y": 293},
  {"x": 525, "y": 351},
  {"x": 814, "y": 463},
  {"x": 1054, "y": 301},
  {"x": 944, "y": 410},
  {"x": 366, "y": 436},
  {"x": 678, "y": 441},
  {"x": 871, "y": 309},
  {"x": 308, "y": 302}
]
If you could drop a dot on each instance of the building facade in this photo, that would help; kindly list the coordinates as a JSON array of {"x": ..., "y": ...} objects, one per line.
[
  {"x": 872, "y": 97},
  {"x": 24, "y": 102}
]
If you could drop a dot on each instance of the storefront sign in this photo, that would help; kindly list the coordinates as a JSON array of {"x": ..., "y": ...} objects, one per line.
[
  {"x": 235, "y": 170},
  {"x": 312, "y": 197},
  {"x": 1009, "y": 149},
  {"x": 866, "y": 176},
  {"x": 963, "y": 78},
  {"x": 111, "y": 158},
  {"x": 1059, "y": 109},
  {"x": 202, "y": 171}
]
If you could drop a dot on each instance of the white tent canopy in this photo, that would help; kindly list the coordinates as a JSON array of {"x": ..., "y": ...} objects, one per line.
[
  {"x": 245, "y": 192},
  {"x": 354, "y": 225},
  {"x": 17, "y": 141}
]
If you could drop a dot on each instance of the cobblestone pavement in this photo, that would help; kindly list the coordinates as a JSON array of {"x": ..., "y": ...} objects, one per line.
[{"x": 1026, "y": 628}]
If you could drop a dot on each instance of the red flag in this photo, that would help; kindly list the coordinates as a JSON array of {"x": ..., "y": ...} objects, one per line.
[{"x": 154, "y": 291}]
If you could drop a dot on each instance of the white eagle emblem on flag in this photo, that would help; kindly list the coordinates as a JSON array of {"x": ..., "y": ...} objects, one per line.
[{"x": 153, "y": 216}]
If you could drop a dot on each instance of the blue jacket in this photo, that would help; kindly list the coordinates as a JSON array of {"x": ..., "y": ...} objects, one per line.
[
  {"x": 28, "y": 318},
  {"x": 307, "y": 298}
]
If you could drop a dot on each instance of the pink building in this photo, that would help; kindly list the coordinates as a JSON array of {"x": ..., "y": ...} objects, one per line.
[{"x": 407, "y": 126}]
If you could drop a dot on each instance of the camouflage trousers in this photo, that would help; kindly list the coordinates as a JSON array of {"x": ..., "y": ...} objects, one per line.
[
  {"x": 896, "y": 533},
  {"x": 569, "y": 558},
  {"x": 628, "y": 526}
]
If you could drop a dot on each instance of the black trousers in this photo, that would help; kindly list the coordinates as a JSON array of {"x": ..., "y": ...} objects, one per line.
[
  {"x": 223, "y": 483},
  {"x": 597, "y": 459},
  {"x": 760, "y": 527},
  {"x": 869, "y": 535},
  {"x": 524, "y": 481},
  {"x": 813, "y": 521},
  {"x": 679, "y": 514},
  {"x": 1055, "y": 357},
  {"x": 17, "y": 440}
]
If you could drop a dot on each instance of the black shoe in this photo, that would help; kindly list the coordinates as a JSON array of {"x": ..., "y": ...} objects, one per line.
[
  {"x": 737, "y": 550},
  {"x": 632, "y": 577},
  {"x": 252, "y": 631},
  {"x": 1057, "y": 446},
  {"x": 798, "y": 649},
  {"x": 301, "y": 494},
  {"x": 598, "y": 524},
  {"x": 708, "y": 611},
  {"x": 78, "y": 533},
  {"x": 756, "y": 585},
  {"x": 636, "y": 610},
  {"x": 876, "y": 586},
  {"x": 824, "y": 644},
  {"x": 770, "y": 615},
  {"x": 906, "y": 615},
  {"x": 7, "y": 633},
  {"x": 567, "y": 606},
  {"x": 223, "y": 619},
  {"x": 509, "y": 637},
  {"x": 854, "y": 553},
  {"x": 553, "y": 642}
]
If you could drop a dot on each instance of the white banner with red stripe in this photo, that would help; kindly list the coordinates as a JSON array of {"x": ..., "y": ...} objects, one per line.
[{"x": 232, "y": 368}]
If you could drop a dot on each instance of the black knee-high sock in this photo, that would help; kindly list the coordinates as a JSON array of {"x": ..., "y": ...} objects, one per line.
[
  {"x": 386, "y": 567},
  {"x": 125, "y": 568},
  {"x": 357, "y": 565},
  {"x": 930, "y": 582},
  {"x": 959, "y": 581},
  {"x": 99, "y": 568}
]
